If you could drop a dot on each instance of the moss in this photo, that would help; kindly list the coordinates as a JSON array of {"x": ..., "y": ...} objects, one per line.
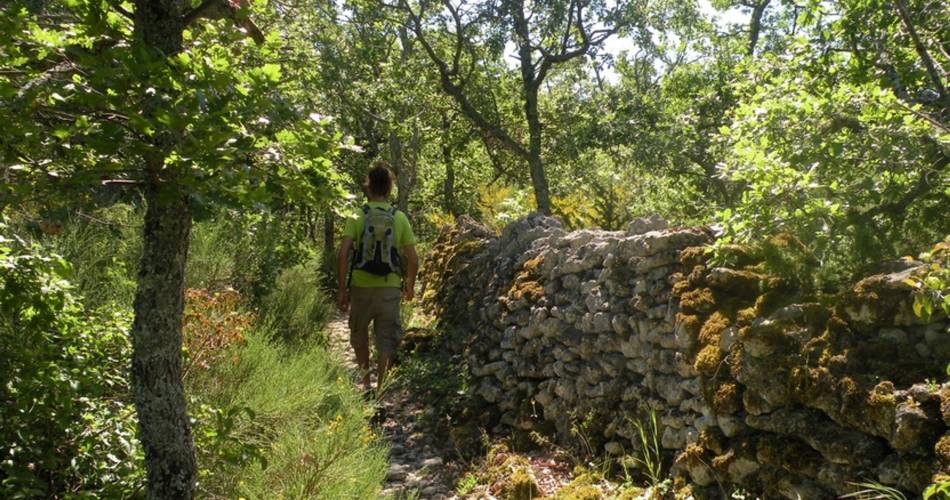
[
  {"x": 942, "y": 450},
  {"x": 693, "y": 454},
  {"x": 532, "y": 265},
  {"x": 693, "y": 256},
  {"x": 883, "y": 394},
  {"x": 727, "y": 399},
  {"x": 745, "y": 316},
  {"x": 734, "y": 360},
  {"x": 684, "y": 492},
  {"x": 694, "y": 279},
  {"x": 713, "y": 328},
  {"x": 945, "y": 405},
  {"x": 520, "y": 485},
  {"x": 737, "y": 282},
  {"x": 769, "y": 332},
  {"x": 583, "y": 486},
  {"x": 689, "y": 323},
  {"x": 815, "y": 387},
  {"x": 708, "y": 359},
  {"x": 629, "y": 492},
  {"x": 700, "y": 300},
  {"x": 529, "y": 290},
  {"x": 721, "y": 462},
  {"x": 579, "y": 492},
  {"x": 875, "y": 414}
]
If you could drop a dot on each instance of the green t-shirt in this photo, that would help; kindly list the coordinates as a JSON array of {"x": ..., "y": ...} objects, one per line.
[{"x": 402, "y": 237}]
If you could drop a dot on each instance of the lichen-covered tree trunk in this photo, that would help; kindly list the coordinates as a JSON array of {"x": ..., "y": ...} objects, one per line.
[
  {"x": 158, "y": 391},
  {"x": 156, "y": 339}
]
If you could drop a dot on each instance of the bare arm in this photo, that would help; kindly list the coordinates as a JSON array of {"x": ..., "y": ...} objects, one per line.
[
  {"x": 342, "y": 269},
  {"x": 412, "y": 263}
]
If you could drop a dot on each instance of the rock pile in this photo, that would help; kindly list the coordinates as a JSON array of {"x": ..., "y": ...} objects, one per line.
[{"x": 751, "y": 384}]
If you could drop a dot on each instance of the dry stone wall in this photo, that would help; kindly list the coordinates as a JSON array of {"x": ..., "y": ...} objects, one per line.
[{"x": 751, "y": 384}]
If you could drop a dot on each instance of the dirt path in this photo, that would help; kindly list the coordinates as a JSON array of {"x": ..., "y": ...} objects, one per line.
[{"x": 417, "y": 468}]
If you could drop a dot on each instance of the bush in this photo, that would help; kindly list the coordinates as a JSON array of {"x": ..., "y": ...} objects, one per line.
[
  {"x": 212, "y": 323},
  {"x": 245, "y": 251},
  {"x": 211, "y": 264},
  {"x": 297, "y": 308},
  {"x": 303, "y": 414},
  {"x": 66, "y": 419},
  {"x": 103, "y": 250}
]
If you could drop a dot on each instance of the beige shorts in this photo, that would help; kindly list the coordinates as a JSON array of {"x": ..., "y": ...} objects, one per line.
[{"x": 381, "y": 306}]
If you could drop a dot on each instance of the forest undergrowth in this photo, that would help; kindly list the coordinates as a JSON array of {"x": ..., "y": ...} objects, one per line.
[{"x": 273, "y": 412}]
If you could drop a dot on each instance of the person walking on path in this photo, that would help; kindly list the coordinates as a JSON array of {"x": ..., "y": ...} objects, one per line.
[{"x": 376, "y": 266}]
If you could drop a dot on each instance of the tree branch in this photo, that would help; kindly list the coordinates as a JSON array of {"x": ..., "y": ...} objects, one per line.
[
  {"x": 198, "y": 11},
  {"x": 922, "y": 50},
  {"x": 455, "y": 91}
]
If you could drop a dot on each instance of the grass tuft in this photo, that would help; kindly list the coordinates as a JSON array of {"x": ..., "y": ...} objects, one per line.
[
  {"x": 297, "y": 309},
  {"x": 308, "y": 420}
]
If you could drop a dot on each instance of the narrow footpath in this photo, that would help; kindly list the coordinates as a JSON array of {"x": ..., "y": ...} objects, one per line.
[{"x": 417, "y": 468}]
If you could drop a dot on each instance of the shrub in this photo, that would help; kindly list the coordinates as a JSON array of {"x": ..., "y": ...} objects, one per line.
[
  {"x": 103, "y": 249},
  {"x": 211, "y": 264},
  {"x": 213, "y": 322},
  {"x": 66, "y": 420},
  {"x": 245, "y": 251},
  {"x": 297, "y": 308},
  {"x": 304, "y": 415}
]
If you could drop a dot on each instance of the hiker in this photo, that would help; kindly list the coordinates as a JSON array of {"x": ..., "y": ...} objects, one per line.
[{"x": 380, "y": 247}]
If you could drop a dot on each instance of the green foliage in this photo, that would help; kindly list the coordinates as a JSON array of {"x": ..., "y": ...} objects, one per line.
[
  {"x": 466, "y": 485},
  {"x": 102, "y": 247},
  {"x": 240, "y": 143},
  {"x": 308, "y": 421},
  {"x": 247, "y": 251},
  {"x": 845, "y": 167},
  {"x": 937, "y": 491},
  {"x": 499, "y": 206},
  {"x": 650, "y": 459},
  {"x": 932, "y": 284},
  {"x": 297, "y": 309},
  {"x": 874, "y": 491},
  {"x": 66, "y": 420}
]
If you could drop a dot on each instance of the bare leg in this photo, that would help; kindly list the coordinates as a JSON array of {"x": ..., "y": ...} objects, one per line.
[{"x": 362, "y": 360}]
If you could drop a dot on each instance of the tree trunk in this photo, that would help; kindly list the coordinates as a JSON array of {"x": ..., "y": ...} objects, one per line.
[
  {"x": 164, "y": 428},
  {"x": 396, "y": 160},
  {"x": 755, "y": 24},
  {"x": 328, "y": 235},
  {"x": 159, "y": 394},
  {"x": 404, "y": 165},
  {"x": 530, "y": 82},
  {"x": 538, "y": 179},
  {"x": 448, "y": 187}
]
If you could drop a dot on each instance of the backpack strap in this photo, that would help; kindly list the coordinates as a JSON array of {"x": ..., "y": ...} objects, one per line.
[{"x": 357, "y": 250}]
